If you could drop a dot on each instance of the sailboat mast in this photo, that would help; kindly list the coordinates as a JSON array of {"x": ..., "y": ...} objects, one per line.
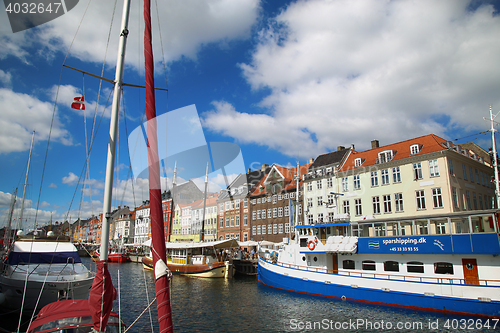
[
  {"x": 495, "y": 163},
  {"x": 158, "y": 248},
  {"x": 202, "y": 236},
  {"x": 108, "y": 186},
  {"x": 26, "y": 181}
]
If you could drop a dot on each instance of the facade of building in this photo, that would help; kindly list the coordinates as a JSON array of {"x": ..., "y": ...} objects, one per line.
[
  {"x": 421, "y": 176},
  {"x": 320, "y": 188},
  {"x": 125, "y": 227},
  {"x": 142, "y": 227},
  {"x": 273, "y": 201}
]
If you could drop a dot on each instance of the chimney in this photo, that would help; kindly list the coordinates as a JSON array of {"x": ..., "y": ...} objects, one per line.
[
  {"x": 339, "y": 148},
  {"x": 311, "y": 160},
  {"x": 263, "y": 167},
  {"x": 375, "y": 144}
]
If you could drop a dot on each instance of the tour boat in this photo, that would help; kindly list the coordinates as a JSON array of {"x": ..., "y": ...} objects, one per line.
[
  {"x": 39, "y": 270},
  {"x": 446, "y": 263},
  {"x": 202, "y": 259}
]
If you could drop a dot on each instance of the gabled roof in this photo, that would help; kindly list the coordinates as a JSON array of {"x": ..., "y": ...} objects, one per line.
[
  {"x": 329, "y": 158},
  {"x": 288, "y": 176},
  {"x": 426, "y": 144}
]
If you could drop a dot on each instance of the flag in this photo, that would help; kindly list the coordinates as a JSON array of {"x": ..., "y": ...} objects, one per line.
[{"x": 78, "y": 103}]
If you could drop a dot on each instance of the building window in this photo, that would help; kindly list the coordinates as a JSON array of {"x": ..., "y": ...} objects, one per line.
[
  {"x": 384, "y": 175},
  {"x": 417, "y": 171},
  {"x": 275, "y": 212},
  {"x": 396, "y": 175},
  {"x": 254, "y": 230},
  {"x": 319, "y": 184},
  {"x": 320, "y": 218},
  {"x": 310, "y": 219},
  {"x": 455, "y": 197},
  {"x": 357, "y": 205},
  {"x": 433, "y": 168},
  {"x": 287, "y": 228},
  {"x": 474, "y": 200},
  {"x": 414, "y": 267},
  {"x": 387, "y": 204},
  {"x": 477, "y": 176},
  {"x": 346, "y": 209},
  {"x": 414, "y": 149},
  {"x": 385, "y": 156},
  {"x": 464, "y": 170},
  {"x": 258, "y": 229},
  {"x": 275, "y": 199},
  {"x": 368, "y": 265},
  {"x": 443, "y": 268},
  {"x": 263, "y": 229},
  {"x": 391, "y": 266},
  {"x": 398, "y": 200},
  {"x": 287, "y": 210},
  {"x": 264, "y": 214},
  {"x": 357, "y": 162},
  {"x": 331, "y": 199},
  {"x": 245, "y": 220},
  {"x": 348, "y": 264},
  {"x": 280, "y": 228},
  {"x": 374, "y": 178},
  {"x": 345, "y": 184},
  {"x": 437, "y": 198},
  {"x": 376, "y": 205},
  {"x": 320, "y": 201},
  {"x": 420, "y": 195},
  {"x": 275, "y": 229},
  {"x": 357, "y": 182},
  {"x": 329, "y": 182},
  {"x": 258, "y": 215},
  {"x": 269, "y": 229},
  {"x": 280, "y": 211},
  {"x": 450, "y": 165},
  {"x": 254, "y": 215},
  {"x": 237, "y": 220},
  {"x": 268, "y": 213},
  {"x": 309, "y": 186}
]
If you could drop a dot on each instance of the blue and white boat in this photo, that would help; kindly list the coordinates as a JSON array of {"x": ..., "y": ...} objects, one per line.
[{"x": 435, "y": 263}]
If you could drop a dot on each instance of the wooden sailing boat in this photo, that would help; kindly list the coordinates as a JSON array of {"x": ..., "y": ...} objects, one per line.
[{"x": 103, "y": 293}]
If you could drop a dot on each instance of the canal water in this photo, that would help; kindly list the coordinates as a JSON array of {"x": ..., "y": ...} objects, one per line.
[{"x": 242, "y": 304}]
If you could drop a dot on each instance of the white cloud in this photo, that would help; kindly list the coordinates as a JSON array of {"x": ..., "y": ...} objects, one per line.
[
  {"x": 70, "y": 179},
  {"x": 347, "y": 72},
  {"x": 23, "y": 113},
  {"x": 185, "y": 25},
  {"x": 52, "y": 185},
  {"x": 5, "y": 78}
]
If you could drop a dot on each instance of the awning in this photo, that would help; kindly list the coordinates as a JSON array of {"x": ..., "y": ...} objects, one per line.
[{"x": 323, "y": 225}]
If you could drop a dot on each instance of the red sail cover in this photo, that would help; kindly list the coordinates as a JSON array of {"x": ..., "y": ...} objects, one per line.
[
  {"x": 157, "y": 230},
  {"x": 101, "y": 296}
]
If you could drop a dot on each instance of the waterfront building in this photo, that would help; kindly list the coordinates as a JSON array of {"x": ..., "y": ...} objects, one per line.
[
  {"x": 176, "y": 223},
  {"x": 210, "y": 228},
  {"x": 124, "y": 227},
  {"x": 273, "y": 201},
  {"x": 167, "y": 203},
  {"x": 320, "y": 188},
  {"x": 142, "y": 223},
  {"x": 421, "y": 176},
  {"x": 233, "y": 203}
]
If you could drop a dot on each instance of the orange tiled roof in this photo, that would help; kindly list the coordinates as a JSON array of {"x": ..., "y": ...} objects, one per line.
[
  {"x": 287, "y": 173},
  {"x": 427, "y": 144}
]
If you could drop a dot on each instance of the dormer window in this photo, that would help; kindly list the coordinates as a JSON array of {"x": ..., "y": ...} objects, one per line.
[
  {"x": 357, "y": 162},
  {"x": 385, "y": 156},
  {"x": 414, "y": 149}
]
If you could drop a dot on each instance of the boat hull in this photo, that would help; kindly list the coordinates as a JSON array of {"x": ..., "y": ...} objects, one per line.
[
  {"x": 12, "y": 291},
  {"x": 290, "y": 279},
  {"x": 213, "y": 270},
  {"x": 118, "y": 258}
]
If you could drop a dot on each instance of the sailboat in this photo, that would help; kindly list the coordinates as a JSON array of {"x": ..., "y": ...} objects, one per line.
[
  {"x": 103, "y": 293},
  {"x": 40, "y": 268}
]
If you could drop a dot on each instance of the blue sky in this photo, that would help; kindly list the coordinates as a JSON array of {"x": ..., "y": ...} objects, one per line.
[{"x": 283, "y": 80}]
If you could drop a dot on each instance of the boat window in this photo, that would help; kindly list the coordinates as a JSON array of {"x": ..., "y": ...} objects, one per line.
[
  {"x": 443, "y": 268},
  {"x": 368, "y": 265},
  {"x": 348, "y": 264},
  {"x": 391, "y": 266},
  {"x": 414, "y": 267},
  {"x": 303, "y": 242}
]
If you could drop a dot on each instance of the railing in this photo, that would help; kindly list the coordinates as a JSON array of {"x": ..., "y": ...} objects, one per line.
[{"x": 384, "y": 276}]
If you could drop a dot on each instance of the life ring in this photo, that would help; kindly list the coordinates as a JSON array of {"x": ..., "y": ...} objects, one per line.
[{"x": 311, "y": 245}]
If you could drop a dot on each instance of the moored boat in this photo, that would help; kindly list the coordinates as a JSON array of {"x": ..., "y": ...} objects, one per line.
[
  {"x": 202, "y": 259},
  {"x": 39, "y": 270},
  {"x": 436, "y": 263}
]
